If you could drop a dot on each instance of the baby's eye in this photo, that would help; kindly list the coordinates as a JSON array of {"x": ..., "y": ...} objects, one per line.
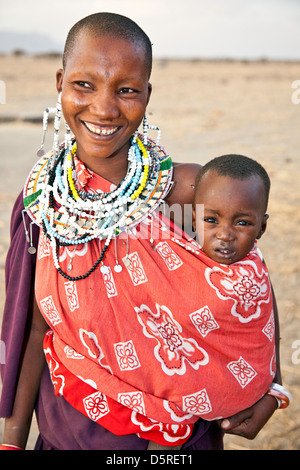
[
  {"x": 210, "y": 220},
  {"x": 243, "y": 222}
]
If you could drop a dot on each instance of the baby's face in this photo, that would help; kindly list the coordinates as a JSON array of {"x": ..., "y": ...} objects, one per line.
[{"x": 229, "y": 215}]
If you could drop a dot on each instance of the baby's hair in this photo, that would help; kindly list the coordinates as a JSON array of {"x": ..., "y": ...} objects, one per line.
[
  {"x": 109, "y": 24},
  {"x": 237, "y": 167}
]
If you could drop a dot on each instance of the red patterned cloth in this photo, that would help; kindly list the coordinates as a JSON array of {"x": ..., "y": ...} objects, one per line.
[{"x": 172, "y": 338}]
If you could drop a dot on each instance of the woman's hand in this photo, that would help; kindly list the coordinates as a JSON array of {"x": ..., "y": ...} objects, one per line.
[{"x": 249, "y": 422}]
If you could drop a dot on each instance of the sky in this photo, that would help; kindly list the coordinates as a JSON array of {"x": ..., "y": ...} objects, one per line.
[{"x": 248, "y": 29}]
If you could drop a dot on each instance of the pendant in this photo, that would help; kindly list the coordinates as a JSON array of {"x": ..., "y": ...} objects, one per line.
[
  {"x": 32, "y": 250},
  {"x": 126, "y": 261},
  {"x": 69, "y": 267},
  {"x": 118, "y": 268},
  {"x": 104, "y": 269},
  {"x": 40, "y": 152}
]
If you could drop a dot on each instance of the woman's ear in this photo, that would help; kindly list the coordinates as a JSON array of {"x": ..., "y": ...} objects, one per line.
[
  {"x": 59, "y": 79},
  {"x": 149, "y": 92},
  {"x": 263, "y": 226}
]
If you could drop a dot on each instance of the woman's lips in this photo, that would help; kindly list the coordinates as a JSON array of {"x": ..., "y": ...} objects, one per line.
[{"x": 101, "y": 130}]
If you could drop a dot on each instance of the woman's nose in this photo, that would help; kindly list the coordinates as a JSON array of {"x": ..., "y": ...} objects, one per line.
[{"x": 104, "y": 105}]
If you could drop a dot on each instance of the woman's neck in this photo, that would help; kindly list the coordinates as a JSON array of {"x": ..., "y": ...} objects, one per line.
[{"x": 113, "y": 168}]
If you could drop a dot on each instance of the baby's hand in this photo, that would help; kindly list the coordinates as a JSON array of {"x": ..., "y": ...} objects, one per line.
[{"x": 249, "y": 422}]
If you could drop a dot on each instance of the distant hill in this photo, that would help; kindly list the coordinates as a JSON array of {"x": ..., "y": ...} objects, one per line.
[{"x": 31, "y": 43}]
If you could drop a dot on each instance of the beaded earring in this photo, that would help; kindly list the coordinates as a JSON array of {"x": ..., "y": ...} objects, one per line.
[
  {"x": 147, "y": 126},
  {"x": 29, "y": 238},
  {"x": 57, "y": 119},
  {"x": 57, "y": 111},
  {"x": 68, "y": 138},
  {"x": 47, "y": 111},
  {"x": 145, "y": 130}
]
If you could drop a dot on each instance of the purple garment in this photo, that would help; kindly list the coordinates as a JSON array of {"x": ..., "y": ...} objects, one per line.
[
  {"x": 61, "y": 426},
  {"x": 19, "y": 271}
]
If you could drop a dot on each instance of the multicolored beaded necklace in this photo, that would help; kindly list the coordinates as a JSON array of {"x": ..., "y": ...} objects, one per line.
[{"x": 70, "y": 217}]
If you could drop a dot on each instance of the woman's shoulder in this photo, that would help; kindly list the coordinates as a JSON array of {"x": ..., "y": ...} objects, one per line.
[{"x": 184, "y": 177}]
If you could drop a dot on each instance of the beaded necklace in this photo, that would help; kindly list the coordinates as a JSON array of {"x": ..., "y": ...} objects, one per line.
[{"x": 70, "y": 217}]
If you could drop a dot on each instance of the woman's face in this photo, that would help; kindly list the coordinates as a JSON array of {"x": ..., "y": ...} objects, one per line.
[{"x": 105, "y": 91}]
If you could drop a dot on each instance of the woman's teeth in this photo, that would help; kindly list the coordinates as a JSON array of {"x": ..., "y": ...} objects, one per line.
[{"x": 100, "y": 130}]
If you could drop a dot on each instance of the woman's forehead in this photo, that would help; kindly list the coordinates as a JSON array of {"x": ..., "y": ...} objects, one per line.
[{"x": 97, "y": 49}]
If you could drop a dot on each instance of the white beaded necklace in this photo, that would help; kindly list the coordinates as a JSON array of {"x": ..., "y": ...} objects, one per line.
[
  {"x": 71, "y": 218},
  {"x": 85, "y": 217}
]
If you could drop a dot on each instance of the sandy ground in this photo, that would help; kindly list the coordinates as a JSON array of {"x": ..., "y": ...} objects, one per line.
[{"x": 205, "y": 109}]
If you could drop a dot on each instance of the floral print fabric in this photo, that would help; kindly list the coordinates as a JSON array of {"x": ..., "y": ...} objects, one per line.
[{"x": 170, "y": 338}]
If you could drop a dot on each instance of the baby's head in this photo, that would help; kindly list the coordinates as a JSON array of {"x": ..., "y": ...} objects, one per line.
[{"x": 229, "y": 211}]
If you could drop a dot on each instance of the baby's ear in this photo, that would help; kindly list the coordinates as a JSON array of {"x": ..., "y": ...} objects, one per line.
[{"x": 263, "y": 226}]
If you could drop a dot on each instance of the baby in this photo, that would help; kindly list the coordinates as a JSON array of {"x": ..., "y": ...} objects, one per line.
[
  {"x": 236, "y": 320},
  {"x": 233, "y": 191},
  {"x": 233, "y": 290}
]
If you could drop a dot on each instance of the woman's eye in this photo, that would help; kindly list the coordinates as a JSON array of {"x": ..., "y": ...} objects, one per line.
[
  {"x": 83, "y": 84},
  {"x": 127, "y": 91}
]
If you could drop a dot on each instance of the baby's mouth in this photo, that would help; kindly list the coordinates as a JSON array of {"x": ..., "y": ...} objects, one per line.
[
  {"x": 225, "y": 252},
  {"x": 100, "y": 130}
]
